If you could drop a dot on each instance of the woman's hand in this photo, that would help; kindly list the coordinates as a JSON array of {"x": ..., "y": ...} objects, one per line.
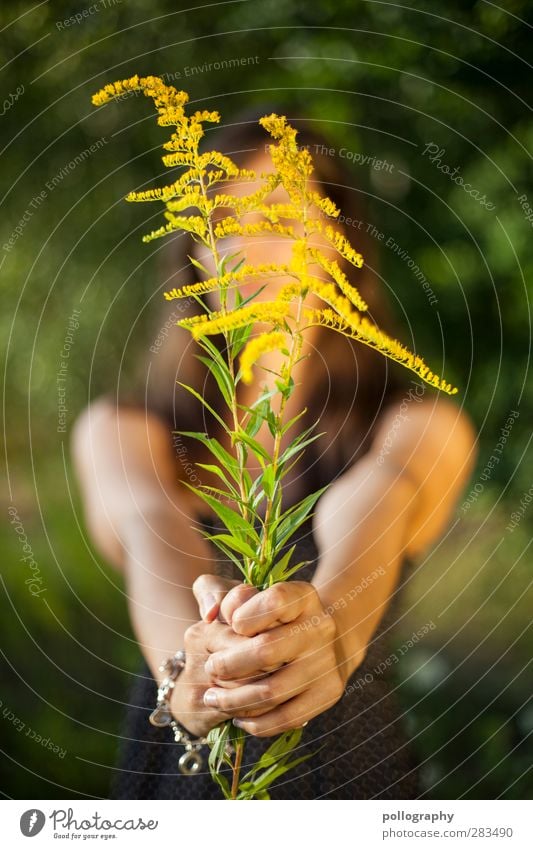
[
  {"x": 200, "y": 640},
  {"x": 284, "y": 631}
]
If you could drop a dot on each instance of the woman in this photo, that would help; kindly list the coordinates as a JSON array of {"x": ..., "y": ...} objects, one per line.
[{"x": 310, "y": 652}]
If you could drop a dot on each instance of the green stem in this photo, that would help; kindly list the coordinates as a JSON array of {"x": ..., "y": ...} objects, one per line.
[
  {"x": 293, "y": 353},
  {"x": 239, "y": 448},
  {"x": 239, "y": 751}
]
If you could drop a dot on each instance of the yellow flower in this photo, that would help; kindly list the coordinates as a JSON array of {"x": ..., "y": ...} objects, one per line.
[
  {"x": 358, "y": 327},
  {"x": 333, "y": 269},
  {"x": 166, "y": 98},
  {"x": 329, "y": 294},
  {"x": 293, "y": 163},
  {"x": 293, "y": 167},
  {"x": 291, "y": 291},
  {"x": 226, "y": 281},
  {"x": 343, "y": 246},
  {"x": 181, "y": 186},
  {"x": 192, "y": 224},
  {"x": 231, "y": 227},
  {"x": 203, "y": 169},
  {"x": 271, "y": 312},
  {"x": 258, "y": 346},
  {"x": 324, "y": 204}
]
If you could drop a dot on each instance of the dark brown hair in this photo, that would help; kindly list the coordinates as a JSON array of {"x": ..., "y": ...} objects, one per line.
[{"x": 353, "y": 384}]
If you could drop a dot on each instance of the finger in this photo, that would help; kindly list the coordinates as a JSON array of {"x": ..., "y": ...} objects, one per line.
[
  {"x": 246, "y": 657},
  {"x": 201, "y": 638},
  {"x": 209, "y": 590},
  {"x": 196, "y": 717},
  {"x": 292, "y": 714},
  {"x": 234, "y": 599},
  {"x": 260, "y": 697},
  {"x": 274, "y": 606},
  {"x": 219, "y": 637}
]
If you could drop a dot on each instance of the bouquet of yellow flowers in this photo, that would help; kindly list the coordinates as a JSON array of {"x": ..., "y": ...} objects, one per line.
[{"x": 251, "y": 509}]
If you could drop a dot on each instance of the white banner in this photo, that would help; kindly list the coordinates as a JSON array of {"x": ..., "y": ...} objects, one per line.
[{"x": 299, "y": 824}]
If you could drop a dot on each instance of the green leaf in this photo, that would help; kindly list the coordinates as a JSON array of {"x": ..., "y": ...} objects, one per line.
[
  {"x": 291, "y": 520},
  {"x": 292, "y": 421},
  {"x": 233, "y": 521},
  {"x": 300, "y": 442},
  {"x": 265, "y": 396},
  {"x": 231, "y": 556},
  {"x": 223, "y": 783},
  {"x": 197, "y": 264},
  {"x": 272, "y": 764},
  {"x": 208, "y": 345},
  {"x": 293, "y": 449},
  {"x": 282, "y": 745},
  {"x": 256, "y": 447},
  {"x": 243, "y": 301},
  {"x": 287, "y": 574},
  {"x": 270, "y": 775},
  {"x": 224, "y": 495},
  {"x": 205, "y": 404},
  {"x": 256, "y": 416},
  {"x": 279, "y": 567},
  {"x": 238, "y": 339},
  {"x": 218, "y": 739},
  {"x": 235, "y": 543},
  {"x": 216, "y": 470},
  {"x": 226, "y": 460},
  {"x": 272, "y": 422},
  {"x": 227, "y": 258},
  {"x": 222, "y": 377},
  {"x": 268, "y": 481}
]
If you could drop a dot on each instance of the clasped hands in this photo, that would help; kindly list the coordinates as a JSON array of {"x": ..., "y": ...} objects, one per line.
[{"x": 265, "y": 659}]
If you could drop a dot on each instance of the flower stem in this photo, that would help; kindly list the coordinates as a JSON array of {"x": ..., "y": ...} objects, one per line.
[{"x": 239, "y": 751}]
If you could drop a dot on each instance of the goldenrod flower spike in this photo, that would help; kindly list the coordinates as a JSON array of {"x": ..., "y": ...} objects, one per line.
[
  {"x": 231, "y": 227},
  {"x": 168, "y": 101},
  {"x": 266, "y": 312},
  {"x": 333, "y": 269},
  {"x": 293, "y": 169},
  {"x": 360, "y": 328},
  {"x": 227, "y": 281},
  {"x": 203, "y": 170},
  {"x": 256, "y": 347},
  {"x": 192, "y": 224}
]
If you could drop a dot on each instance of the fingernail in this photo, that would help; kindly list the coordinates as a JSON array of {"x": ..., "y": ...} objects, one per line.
[
  {"x": 238, "y": 723},
  {"x": 207, "y": 603},
  {"x": 210, "y": 698}
]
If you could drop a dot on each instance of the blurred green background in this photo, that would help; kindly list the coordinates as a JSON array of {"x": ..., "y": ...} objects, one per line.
[{"x": 384, "y": 82}]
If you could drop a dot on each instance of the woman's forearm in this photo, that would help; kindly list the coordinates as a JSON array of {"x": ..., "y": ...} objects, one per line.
[
  {"x": 163, "y": 556},
  {"x": 394, "y": 502},
  {"x": 361, "y": 536},
  {"x": 141, "y": 519}
]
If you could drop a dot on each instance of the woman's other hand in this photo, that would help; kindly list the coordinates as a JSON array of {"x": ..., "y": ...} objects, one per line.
[
  {"x": 284, "y": 631},
  {"x": 210, "y": 635}
]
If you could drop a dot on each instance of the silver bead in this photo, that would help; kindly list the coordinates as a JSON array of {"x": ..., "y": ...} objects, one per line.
[
  {"x": 190, "y": 762},
  {"x": 161, "y": 716}
]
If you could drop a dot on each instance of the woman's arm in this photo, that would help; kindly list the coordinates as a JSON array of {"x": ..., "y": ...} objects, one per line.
[
  {"x": 392, "y": 503},
  {"x": 142, "y": 521}
]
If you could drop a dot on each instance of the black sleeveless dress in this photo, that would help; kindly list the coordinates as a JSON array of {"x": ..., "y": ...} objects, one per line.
[{"x": 360, "y": 747}]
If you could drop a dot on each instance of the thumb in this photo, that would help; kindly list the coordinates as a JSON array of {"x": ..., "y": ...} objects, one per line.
[{"x": 209, "y": 591}]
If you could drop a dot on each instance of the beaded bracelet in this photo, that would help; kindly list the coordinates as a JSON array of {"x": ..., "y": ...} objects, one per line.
[{"x": 191, "y": 760}]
